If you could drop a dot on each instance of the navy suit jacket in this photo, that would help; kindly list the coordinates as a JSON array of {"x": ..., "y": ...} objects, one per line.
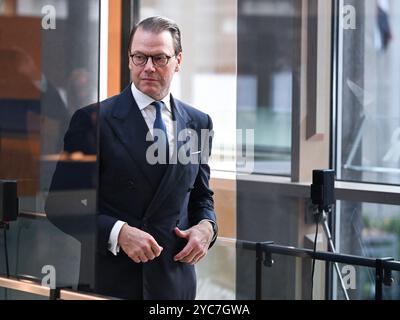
[{"x": 154, "y": 198}]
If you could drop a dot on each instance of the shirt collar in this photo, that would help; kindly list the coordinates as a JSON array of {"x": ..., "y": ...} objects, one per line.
[{"x": 144, "y": 100}]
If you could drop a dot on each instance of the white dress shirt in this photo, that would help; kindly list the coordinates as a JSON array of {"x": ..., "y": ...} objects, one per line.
[
  {"x": 149, "y": 114},
  {"x": 148, "y": 111}
]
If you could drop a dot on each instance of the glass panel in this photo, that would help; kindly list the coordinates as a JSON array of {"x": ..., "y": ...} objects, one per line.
[
  {"x": 9, "y": 294},
  {"x": 266, "y": 43},
  {"x": 363, "y": 286},
  {"x": 277, "y": 282},
  {"x": 368, "y": 117},
  {"x": 370, "y": 230},
  {"x": 216, "y": 273},
  {"x": 207, "y": 79},
  {"x": 49, "y": 68},
  {"x": 264, "y": 215}
]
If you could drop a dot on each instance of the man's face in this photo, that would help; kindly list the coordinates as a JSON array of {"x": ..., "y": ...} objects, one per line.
[{"x": 152, "y": 80}]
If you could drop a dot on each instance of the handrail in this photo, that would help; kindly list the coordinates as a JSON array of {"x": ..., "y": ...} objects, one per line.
[
  {"x": 308, "y": 253},
  {"x": 74, "y": 295},
  {"x": 382, "y": 266},
  {"x": 29, "y": 286},
  {"x": 32, "y": 215},
  {"x": 25, "y": 286}
]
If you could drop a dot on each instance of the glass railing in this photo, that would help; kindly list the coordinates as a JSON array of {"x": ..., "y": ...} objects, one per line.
[{"x": 49, "y": 58}]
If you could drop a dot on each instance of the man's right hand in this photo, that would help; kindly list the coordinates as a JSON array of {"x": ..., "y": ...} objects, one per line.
[{"x": 137, "y": 244}]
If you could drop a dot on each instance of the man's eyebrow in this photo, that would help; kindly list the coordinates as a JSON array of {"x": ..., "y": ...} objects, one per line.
[{"x": 153, "y": 55}]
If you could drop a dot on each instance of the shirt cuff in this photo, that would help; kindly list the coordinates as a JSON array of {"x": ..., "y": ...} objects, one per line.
[{"x": 113, "y": 239}]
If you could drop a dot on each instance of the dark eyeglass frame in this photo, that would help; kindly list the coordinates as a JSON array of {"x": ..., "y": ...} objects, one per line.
[{"x": 157, "y": 64}]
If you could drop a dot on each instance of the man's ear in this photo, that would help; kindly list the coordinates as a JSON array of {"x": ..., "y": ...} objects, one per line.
[
  {"x": 179, "y": 61},
  {"x": 129, "y": 61}
]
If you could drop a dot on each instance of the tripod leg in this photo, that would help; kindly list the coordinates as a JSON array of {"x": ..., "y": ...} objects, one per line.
[{"x": 332, "y": 247}]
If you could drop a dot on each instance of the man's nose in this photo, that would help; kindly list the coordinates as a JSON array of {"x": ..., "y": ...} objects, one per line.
[{"x": 149, "y": 66}]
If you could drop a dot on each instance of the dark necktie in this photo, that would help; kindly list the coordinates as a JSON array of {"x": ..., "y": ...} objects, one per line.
[{"x": 159, "y": 124}]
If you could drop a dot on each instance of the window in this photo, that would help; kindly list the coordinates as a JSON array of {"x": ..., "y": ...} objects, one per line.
[
  {"x": 367, "y": 136},
  {"x": 369, "y": 230},
  {"x": 266, "y": 42},
  {"x": 368, "y": 110}
]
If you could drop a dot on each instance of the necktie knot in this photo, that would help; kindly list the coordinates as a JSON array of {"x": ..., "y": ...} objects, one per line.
[{"x": 158, "y": 105}]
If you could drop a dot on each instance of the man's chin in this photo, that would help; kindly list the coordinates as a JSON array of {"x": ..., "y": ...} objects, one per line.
[{"x": 151, "y": 92}]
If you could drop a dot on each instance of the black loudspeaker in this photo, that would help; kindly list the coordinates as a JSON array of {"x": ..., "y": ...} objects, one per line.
[
  {"x": 323, "y": 188},
  {"x": 8, "y": 200}
]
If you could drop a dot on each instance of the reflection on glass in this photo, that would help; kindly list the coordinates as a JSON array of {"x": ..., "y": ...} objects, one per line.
[
  {"x": 207, "y": 79},
  {"x": 369, "y": 131},
  {"x": 369, "y": 230},
  {"x": 259, "y": 48},
  {"x": 46, "y": 74},
  {"x": 365, "y": 285},
  {"x": 266, "y": 42}
]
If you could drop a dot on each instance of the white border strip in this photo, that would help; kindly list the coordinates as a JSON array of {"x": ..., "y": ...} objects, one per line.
[
  {"x": 339, "y": 134},
  {"x": 103, "y": 94},
  {"x": 339, "y": 78}
]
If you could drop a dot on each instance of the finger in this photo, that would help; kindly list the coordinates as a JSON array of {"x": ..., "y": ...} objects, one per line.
[
  {"x": 185, "y": 252},
  {"x": 156, "y": 249},
  {"x": 189, "y": 258},
  {"x": 135, "y": 259},
  {"x": 198, "y": 257},
  {"x": 181, "y": 233},
  {"x": 143, "y": 257},
  {"x": 149, "y": 253}
]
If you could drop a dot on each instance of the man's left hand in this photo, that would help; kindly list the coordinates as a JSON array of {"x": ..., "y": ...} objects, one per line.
[{"x": 199, "y": 238}]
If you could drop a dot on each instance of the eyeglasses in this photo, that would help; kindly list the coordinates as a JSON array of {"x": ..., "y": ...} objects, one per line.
[{"x": 160, "y": 60}]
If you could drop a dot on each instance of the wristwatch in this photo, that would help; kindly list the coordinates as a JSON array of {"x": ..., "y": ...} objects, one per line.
[{"x": 215, "y": 230}]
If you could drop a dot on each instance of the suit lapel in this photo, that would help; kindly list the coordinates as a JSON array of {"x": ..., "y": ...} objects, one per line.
[
  {"x": 174, "y": 171},
  {"x": 130, "y": 127}
]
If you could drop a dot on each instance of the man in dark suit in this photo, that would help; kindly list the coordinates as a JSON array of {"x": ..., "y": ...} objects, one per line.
[{"x": 156, "y": 213}]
